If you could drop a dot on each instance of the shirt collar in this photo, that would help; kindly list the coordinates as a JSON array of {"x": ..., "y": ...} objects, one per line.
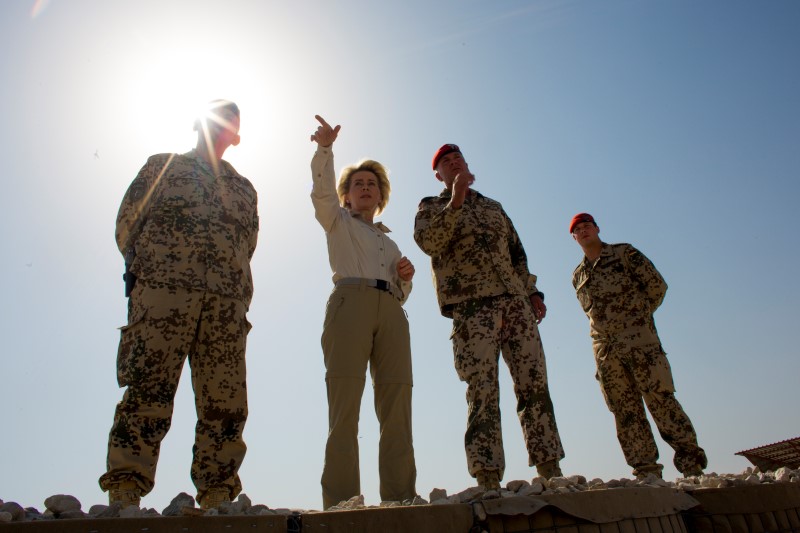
[{"x": 379, "y": 225}]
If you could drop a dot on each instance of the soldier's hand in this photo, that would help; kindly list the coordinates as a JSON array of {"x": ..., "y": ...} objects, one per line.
[
  {"x": 325, "y": 134},
  {"x": 461, "y": 184},
  {"x": 539, "y": 309},
  {"x": 405, "y": 269}
]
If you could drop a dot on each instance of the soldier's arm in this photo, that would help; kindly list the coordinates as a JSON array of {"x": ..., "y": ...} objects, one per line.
[
  {"x": 133, "y": 209},
  {"x": 648, "y": 277},
  {"x": 253, "y": 238},
  {"x": 519, "y": 259},
  {"x": 434, "y": 227}
]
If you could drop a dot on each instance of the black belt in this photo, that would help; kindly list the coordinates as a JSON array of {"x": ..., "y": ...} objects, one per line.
[{"x": 380, "y": 284}]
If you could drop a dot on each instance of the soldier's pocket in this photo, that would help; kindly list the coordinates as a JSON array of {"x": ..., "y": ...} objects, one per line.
[
  {"x": 131, "y": 348},
  {"x": 459, "y": 337},
  {"x": 584, "y": 297}
]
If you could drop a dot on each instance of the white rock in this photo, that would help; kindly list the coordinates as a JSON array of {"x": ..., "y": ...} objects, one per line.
[
  {"x": 60, "y": 503},
  {"x": 438, "y": 494},
  {"x": 516, "y": 485},
  {"x": 468, "y": 494},
  {"x": 5, "y": 517},
  {"x": 14, "y": 509},
  {"x": 130, "y": 512},
  {"x": 577, "y": 480},
  {"x": 531, "y": 490},
  {"x": 480, "y": 512},
  {"x": 558, "y": 482},
  {"x": 177, "y": 504}
]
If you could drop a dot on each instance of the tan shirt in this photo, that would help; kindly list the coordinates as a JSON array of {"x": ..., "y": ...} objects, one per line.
[
  {"x": 356, "y": 248},
  {"x": 475, "y": 250},
  {"x": 190, "y": 228}
]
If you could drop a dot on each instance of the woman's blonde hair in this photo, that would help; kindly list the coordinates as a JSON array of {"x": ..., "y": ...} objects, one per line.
[{"x": 380, "y": 172}]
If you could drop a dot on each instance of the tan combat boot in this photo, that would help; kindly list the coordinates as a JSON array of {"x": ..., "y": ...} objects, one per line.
[
  {"x": 488, "y": 479},
  {"x": 647, "y": 470},
  {"x": 214, "y": 497},
  {"x": 695, "y": 470},
  {"x": 125, "y": 494},
  {"x": 549, "y": 469}
]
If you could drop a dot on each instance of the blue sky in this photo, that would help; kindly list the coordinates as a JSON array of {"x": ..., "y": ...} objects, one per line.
[{"x": 676, "y": 123}]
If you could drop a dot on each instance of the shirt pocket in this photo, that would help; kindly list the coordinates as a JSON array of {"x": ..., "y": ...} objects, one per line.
[{"x": 582, "y": 291}]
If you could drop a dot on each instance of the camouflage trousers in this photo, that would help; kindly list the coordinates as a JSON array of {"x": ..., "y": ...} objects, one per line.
[
  {"x": 631, "y": 377},
  {"x": 366, "y": 326},
  {"x": 165, "y": 325},
  {"x": 482, "y": 328}
]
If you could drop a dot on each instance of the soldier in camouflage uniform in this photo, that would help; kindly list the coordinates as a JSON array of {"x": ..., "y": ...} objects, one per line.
[
  {"x": 187, "y": 227},
  {"x": 619, "y": 289},
  {"x": 482, "y": 282}
]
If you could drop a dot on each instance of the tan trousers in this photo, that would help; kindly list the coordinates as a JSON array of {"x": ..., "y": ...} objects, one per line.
[
  {"x": 634, "y": 376},
  {"x": 366, "y": 326},
  {"x": 165, "y": 325},
  {"x": 482, "y": 329}
]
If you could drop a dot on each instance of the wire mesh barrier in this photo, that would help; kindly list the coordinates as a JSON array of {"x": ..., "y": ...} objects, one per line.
[{"x": 773, "y": 508}]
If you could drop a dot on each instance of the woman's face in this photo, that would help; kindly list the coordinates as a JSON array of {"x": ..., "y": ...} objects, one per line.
[{"x": 364, "y": 194}]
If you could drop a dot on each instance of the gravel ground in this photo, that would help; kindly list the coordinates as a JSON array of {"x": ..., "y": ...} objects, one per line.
[{"x": 64, "y": 506}]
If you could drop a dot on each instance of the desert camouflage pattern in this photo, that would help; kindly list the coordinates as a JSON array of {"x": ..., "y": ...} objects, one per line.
[
  {"x": 619, "y": 293},
  {"x": 165, "y": 324},
  {"x": 482, "y": 328},
  {"x": 482, "y": 281},
  {"x": 475, "y": 250},
  {"x": 189, "y": 227}
]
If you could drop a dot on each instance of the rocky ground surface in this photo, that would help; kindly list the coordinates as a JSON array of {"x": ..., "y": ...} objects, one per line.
[{"x": 63, "y": 506}]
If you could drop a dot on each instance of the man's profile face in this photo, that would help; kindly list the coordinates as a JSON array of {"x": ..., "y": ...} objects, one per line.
[
  {"x": 222, "y": 124},
  {"x": 450, "y": 166}
]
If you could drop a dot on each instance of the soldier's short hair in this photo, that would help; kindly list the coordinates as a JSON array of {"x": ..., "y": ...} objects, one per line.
[{"x": 215, "y": 107}]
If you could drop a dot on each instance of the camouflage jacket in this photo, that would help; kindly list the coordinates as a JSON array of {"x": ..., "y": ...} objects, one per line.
[
  {"x": 190, "y": 228},
  {"x": 475, "y": 250},
  {"x": 619, "y": 293}
]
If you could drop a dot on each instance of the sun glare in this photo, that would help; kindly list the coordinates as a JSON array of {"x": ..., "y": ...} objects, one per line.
[
  {"x": 38, "y": 7},
  {"x": 169, "y": 92}
]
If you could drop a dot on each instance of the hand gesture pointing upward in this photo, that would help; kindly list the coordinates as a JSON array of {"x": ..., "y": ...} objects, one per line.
[{"x": 325, "y": 135}]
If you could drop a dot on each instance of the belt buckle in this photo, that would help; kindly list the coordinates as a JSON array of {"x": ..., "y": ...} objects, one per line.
[{"x": 382, "y": 285}]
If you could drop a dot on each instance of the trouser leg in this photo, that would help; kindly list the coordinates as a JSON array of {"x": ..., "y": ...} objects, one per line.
[
  {"x": 398, "y": 472},
  {"x": 346, "y": 345},
  {"x": 676, "y": 429},
  {"x": 341, "y": 478},
  {"x": 390, "y": 367},
  {"x": 653, "y": 375},
  {"x": 153, "y": 346},
  {"x": 523, "y": 353},
  {"x": 219, "y": 380},
  {"x": 476, "y": 351},
  {"x": 624, "y": 400}
]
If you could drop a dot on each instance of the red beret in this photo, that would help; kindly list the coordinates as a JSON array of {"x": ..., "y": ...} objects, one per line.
[
  {"x": 443, "y": 151},
  {"x": 581, "y": 217}
]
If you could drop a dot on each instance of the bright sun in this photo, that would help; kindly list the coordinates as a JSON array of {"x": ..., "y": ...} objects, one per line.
[{"x": 169, "y": 91}]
